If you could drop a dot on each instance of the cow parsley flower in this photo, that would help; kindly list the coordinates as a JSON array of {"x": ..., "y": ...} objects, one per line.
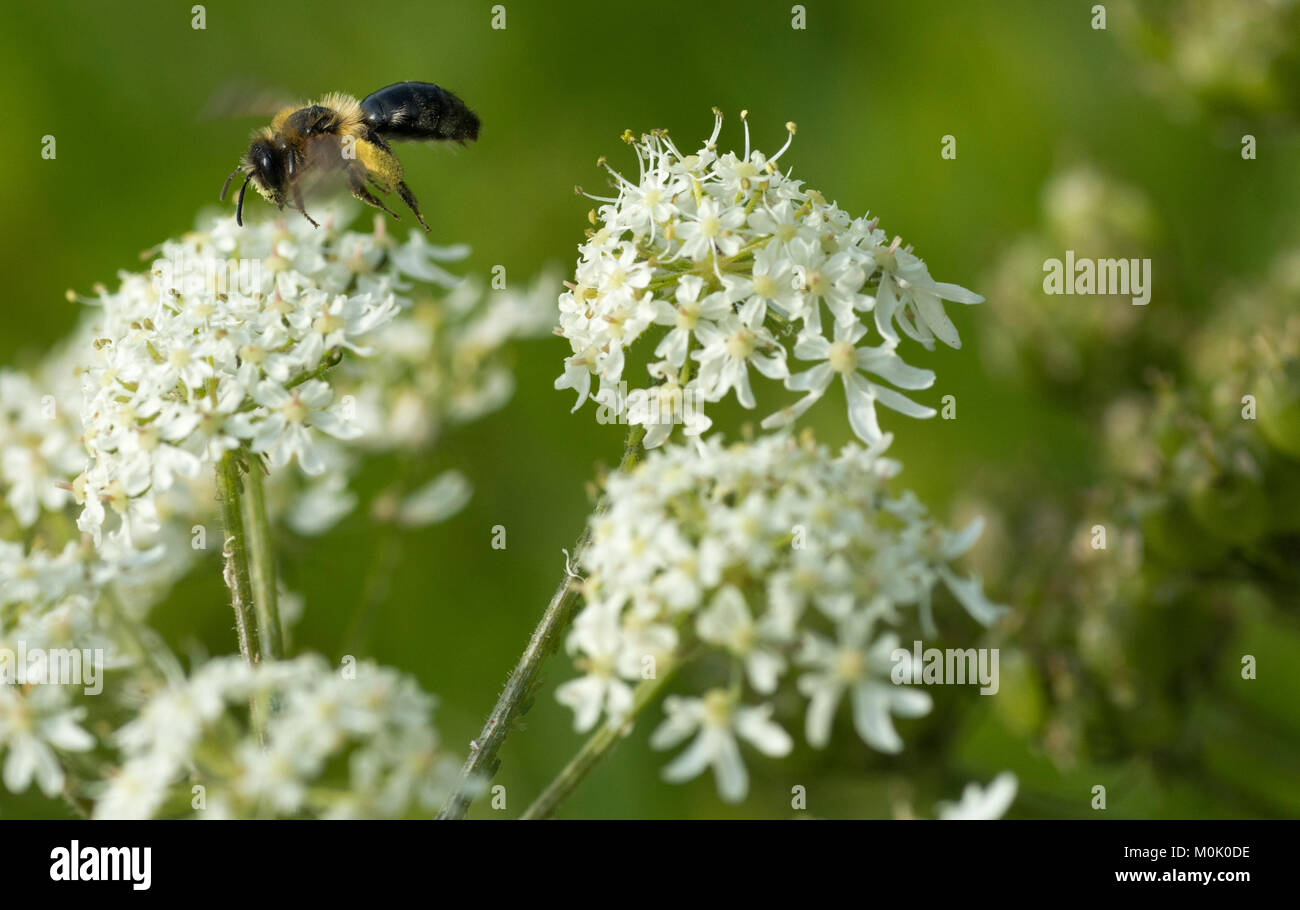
[
  {"x": 717, "y": 723},
  {"x": 235, "y": 338},
  {"x": 855, "y": 663},
  {"x": 742, "y": 266},
  {"x": 333, "y": 746},
  {"x": 209, "y": 350},
  {"x": 33, "y": 727},
  {"x": 792, "y": 566}
]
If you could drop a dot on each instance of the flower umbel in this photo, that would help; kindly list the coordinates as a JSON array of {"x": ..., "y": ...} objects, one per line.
[
  {"x": 743, "y": 265},
  {"x": 772, "y": 562}
]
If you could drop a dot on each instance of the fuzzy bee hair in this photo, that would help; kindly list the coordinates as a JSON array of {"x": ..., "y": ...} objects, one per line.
[{"x": 340, "y": 132}]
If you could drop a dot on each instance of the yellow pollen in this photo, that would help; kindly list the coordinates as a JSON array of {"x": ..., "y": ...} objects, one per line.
[
  {"x": 717, "y": 708},
  {"x": 849, "y": 665},
  {"x": 741, "y": 344},
  {"x": 326, "y": 323},
  {"x": 842, "y": 357},
  {"x": 295, "y": 411}
]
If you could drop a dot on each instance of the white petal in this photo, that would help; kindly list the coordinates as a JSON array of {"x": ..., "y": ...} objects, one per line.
[
  {"x": 933, "y": 316},
  {"x": 956, "y": 293}
]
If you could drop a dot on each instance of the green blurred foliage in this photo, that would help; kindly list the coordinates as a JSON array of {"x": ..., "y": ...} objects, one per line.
[{"x": 1024, "y": 86}]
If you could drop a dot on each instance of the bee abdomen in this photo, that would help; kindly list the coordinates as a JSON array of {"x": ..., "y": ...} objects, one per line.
[{"x": 419, "y": 110}]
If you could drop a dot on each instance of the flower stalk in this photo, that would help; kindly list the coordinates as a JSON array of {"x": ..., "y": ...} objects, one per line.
[
  {"x": 250, "y": 561},
  {"x": 597, "y": 746},
  {"x": 521, "y": 687},
  {"x": 261, "y": 567},
  {"x": 235, "y": 551}
]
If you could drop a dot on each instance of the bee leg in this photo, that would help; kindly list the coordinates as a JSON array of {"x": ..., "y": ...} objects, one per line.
[
  {"x": 359, "y": 190},
  {"x": 297, "y": 203},
  {"x": 409, "y": 198}
]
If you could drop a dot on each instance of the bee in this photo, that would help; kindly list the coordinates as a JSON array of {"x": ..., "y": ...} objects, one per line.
[{"x": 304, "y": 146}]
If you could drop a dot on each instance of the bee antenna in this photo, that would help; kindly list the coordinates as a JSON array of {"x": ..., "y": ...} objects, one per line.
[
  {"x": 225, "y": 186},
  {"x": 239, "y": 207}
]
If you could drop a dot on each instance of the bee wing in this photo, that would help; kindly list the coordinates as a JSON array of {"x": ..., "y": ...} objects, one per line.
[{"x": 246, "y": 99}]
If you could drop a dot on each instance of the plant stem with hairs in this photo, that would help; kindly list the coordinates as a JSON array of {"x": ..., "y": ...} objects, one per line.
[
  {"x": 235, "y": 551},
  {"x": 250, "y": 562},
  {"x": 521, "y": 687},
  {"x": 262, "y": 565}
]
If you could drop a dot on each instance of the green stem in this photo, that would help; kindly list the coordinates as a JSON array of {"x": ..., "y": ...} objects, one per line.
[
  {"x": 235, "y": 550},
  {"x": 261, "y": 566},
  {"x": 600, "y": 744},
  {"x": 521, "y": 687}
]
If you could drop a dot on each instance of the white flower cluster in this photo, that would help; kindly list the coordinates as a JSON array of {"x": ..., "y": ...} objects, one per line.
[
  {"x": 211, "y": 349},
  {"x": 226, "y": 343},
  {"x": 778, "y": 557},
  {"x": 53, "y": 585},
  {"x": 741, "y": 264},
  {"x": 40, "y": 725},
  {"x": 40, "y": 452},
  {"x": 332, "y": 746}
]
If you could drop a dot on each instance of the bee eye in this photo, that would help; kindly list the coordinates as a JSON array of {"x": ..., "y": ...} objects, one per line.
[{"x": 267, "y": 166}]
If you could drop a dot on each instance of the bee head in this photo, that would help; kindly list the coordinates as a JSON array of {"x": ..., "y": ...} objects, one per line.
[{"x": 267, "y": 167}]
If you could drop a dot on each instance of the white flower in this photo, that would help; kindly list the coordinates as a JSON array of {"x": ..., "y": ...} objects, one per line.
[
  {"x": 711, "y": 231},
  {"x": 909, "y": 296},
  {"x": 735, "y": 259},
  {"x": 843, "y": 358},
  {"x": 729, "y": 348},
  {"x": 747, "y": 559},
  {"x": 685, "y": 317},
  {"x": 373, "y": 730},
  {"x": 32, "y": 727},
  {"x": 982, "y": 802},
  {"x": 862, "y": 668},
  {"x": 716, "y": 720},
  {"x": 134, "y": 791},
  {"x": 727, "y": 622},
  {"x": 176, "y": 373},
  {"x": 283, "y": 430},
  {"x": 269, "y": 777},
  {"x": 597, "y": 638}
]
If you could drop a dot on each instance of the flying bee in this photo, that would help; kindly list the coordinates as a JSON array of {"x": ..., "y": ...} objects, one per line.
[{"x": 304, "y": 146}]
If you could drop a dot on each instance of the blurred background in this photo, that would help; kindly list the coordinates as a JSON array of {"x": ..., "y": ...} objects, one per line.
[{"x": 1119, "y": 669}]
